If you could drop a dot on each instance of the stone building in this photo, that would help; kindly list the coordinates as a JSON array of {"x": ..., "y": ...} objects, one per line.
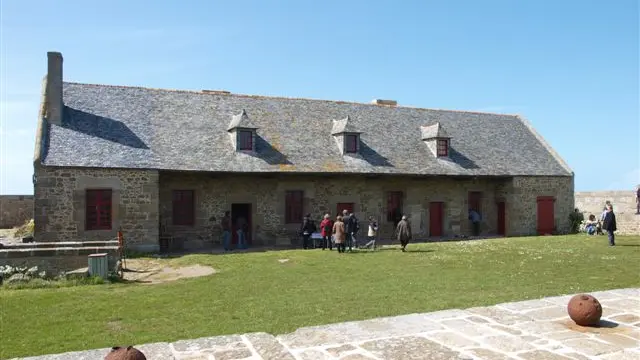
[{"x": 149, "y": 161}]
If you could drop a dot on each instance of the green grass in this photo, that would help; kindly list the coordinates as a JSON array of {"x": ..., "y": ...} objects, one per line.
[{"x": 255, "y": 292}]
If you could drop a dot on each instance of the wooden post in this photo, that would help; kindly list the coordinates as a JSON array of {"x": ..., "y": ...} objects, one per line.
[{"x": 99, "y": 265}]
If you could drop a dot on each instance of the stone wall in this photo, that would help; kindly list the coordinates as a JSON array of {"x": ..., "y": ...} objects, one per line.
[
  {"x": 54, "y": 260},
  {"x": 624, "y": 206},
  {"x": 215, "y": 194},
  {"x": 143, "y": 198},
  {"x": 521, "y": 202},
  {"x": 60, "y": 205},
  {"x": 15, "y": 210}
]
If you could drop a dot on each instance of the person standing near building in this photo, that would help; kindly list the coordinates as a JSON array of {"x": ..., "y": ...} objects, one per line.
[
  {"x": 609, "y": 224},
  {"x": 339, "y": 234},
  {"x": 225, "y": 224},
  {"x": 326, "y": 229},
  {"x": 306, "y": 230}
]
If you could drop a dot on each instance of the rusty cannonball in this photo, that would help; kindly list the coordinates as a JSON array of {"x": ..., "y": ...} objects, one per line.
[
  {"x": 125, "y": 353},
  {"x": 584, "y": 310}
]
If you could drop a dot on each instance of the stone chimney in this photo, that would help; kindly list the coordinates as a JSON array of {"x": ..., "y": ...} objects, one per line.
[{"x": 53, "y": 95}]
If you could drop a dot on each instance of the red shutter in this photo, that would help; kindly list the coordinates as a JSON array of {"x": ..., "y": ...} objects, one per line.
[
  {"x": 293, "y": 206},
  {"x": 394, "y": 205},
  {"x": 98, "y": 209},
  {"x": 183, "y": 208}
]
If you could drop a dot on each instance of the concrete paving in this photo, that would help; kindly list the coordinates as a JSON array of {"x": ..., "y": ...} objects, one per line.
[{"x": 526, "y": 330}]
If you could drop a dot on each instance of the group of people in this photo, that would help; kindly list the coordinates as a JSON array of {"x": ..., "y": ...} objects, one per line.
[
  {"x": 344, "y": 230},
  {"x": 606, "y": 222}
]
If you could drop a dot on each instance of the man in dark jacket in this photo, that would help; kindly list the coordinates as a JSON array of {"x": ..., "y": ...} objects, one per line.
[
  {"x": 609, "y": 224},
  {"x": 351, "y": 228},
  {"x": 308, "y": 227}
]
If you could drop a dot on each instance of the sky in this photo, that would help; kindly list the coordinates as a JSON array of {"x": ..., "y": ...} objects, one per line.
[{"x": 570, "y": 67}]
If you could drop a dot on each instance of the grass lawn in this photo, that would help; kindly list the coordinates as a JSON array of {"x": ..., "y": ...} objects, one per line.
[{"x": 255, "y": 292}]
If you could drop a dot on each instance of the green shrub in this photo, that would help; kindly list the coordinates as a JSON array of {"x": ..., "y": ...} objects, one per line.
[{"x": 575, "y": 220}]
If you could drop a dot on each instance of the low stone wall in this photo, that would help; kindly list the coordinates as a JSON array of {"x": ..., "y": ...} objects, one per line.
[
  {"x": 624, "y": 206},
  {"x": 55, "y": 260},
  {"x": 15, "y": 210}
]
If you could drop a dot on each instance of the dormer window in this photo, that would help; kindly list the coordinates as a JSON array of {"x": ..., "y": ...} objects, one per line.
[
  {"x": 346, "y": 135},
  {"x": 245, "y": 140},
  {"x": 242, "y": 132},
  {"x": 437, "y": 139},
  {"x": 443, "y": 147},
  {"x": 351, "y": 143}
]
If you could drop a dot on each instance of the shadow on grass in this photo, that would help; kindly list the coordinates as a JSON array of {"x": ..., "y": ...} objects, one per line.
[{"x": 634, "y": 245}]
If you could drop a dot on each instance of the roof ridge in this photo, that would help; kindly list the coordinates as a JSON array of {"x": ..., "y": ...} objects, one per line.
[{"x": 220, "y": 93}]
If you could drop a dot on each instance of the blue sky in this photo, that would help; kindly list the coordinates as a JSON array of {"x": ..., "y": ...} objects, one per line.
[{"x": 570, "y": 67}]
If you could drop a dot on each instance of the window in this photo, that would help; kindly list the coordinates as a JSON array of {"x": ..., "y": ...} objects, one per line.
[
  {"x": 183, "y": 208},
  {"x": 351, "y": 145},
  {"x": 394, "y": 205},
  {"x": 245, "y": 140},
  {"x": 98, "y": 209},
  {"x": 293, "y": 207},
  {"x": 443, "y": 147}
]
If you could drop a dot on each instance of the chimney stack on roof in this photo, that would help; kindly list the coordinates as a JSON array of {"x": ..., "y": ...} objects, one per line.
[
  {"x": 53, "y": 90},
  {"x": 385, "y": 102}
]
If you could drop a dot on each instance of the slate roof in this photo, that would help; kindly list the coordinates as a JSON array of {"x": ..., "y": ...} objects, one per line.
[
  {"x": 433, "y": 131},
  {"x": 132, "y": 127}
]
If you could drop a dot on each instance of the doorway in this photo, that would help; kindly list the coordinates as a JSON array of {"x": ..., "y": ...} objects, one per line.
[
  {"x": 502, "y": 218},
  {"x": 241, "y": 213},
  {"x": 436, "y": 218},
  {"x": 546, "y": 215}
]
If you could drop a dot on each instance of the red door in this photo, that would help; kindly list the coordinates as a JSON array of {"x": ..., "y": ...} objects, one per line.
[
  {"x": 436, "y": 217},
  {"x": 344, "y": 206},
  {"x": 546, "y": 216},
  {"x": 502, "y": 224}
]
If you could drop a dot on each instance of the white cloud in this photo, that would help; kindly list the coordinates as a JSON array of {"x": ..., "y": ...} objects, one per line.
[{"x": 627, "y": 181}]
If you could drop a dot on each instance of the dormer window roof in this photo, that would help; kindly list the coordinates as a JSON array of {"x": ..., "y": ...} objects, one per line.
[
  {"x": 241, "y": 121},
  {"x": 435, "y": 131},
  {"x": 243, "y": 132},
  {"x": 346, "y": 135},
  {"x": 437, "y": 138}
]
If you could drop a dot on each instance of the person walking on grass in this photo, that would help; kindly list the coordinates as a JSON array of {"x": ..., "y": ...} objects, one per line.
[
  {"x": 609, "y": 224},
  {"x": 403, "y": 232},
  {"x": 372, "y": 233},
  {"x": 339, "y": 234}
]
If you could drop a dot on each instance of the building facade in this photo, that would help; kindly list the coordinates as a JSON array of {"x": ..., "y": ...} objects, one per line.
[{"x": 166, "y": 163}]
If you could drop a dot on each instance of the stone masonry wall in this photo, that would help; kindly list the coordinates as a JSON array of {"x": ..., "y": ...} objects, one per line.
[
  {"x": 522, "y": 196},
  {"x": 214, "y": 195},
  {"x": 60, "y": 205},
  {"x": 624, "y": 206},
  {"x": 15, "y": 210}
]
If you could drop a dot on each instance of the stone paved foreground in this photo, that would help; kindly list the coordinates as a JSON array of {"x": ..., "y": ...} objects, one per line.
[{"x": 527, "y": 330}]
